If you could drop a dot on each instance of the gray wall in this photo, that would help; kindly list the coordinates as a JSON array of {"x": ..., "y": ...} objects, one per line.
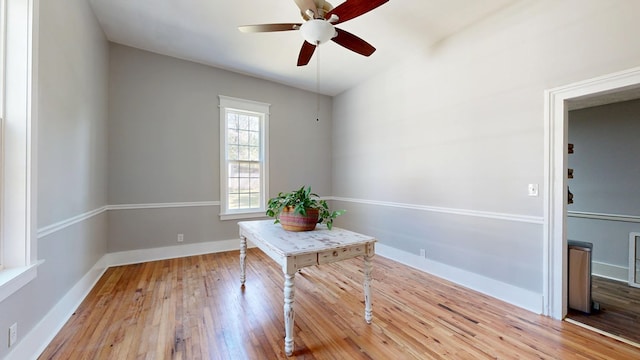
[
  {"x": 72, "y": 158},
  {"x": 164, "y": 145},
  {"x": 606, "y": 165},
  {"x": 459, "y": 131}
]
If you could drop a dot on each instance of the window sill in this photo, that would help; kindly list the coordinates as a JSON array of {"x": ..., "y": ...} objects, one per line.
[
  {"x": 239, "y": 216},
  {"x": 11, "y": 280}
]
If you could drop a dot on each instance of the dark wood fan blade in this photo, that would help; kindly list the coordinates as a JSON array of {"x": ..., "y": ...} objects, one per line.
[
  {"x": 353, "y": 8},
  {"x": 306, "y": 52},
  {"x": 353, "y": 43},
  {"x": 268, "y": 27}
]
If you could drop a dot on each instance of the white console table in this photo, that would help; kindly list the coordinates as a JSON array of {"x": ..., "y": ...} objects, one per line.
[{"x": 295, "y": 250}]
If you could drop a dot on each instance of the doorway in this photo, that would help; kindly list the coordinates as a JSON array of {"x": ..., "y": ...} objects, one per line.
[
  {"x": 605, "y": 212},
  {"x": 615, "y": 87}
]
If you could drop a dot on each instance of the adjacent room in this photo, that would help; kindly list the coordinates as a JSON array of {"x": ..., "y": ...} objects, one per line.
[
  {"x": 142, "y": 140},
  {"x": 603, "y": 213}
]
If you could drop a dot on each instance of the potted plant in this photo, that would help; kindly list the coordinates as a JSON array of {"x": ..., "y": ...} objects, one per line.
[{"x": 301, "y": 210}]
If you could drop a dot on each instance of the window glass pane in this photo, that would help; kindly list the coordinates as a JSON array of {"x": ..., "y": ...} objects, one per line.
[
  {"x": 232, "y": 120},
  {"x": 255, "y": 170},
  {"x": 232, "y": 136},
  {"x": 234, "y": 202},
  {"x": 244, "y": 201},
  {"x": 244, "y": 185},
  {"x": 254, "y": 153},
  {"x": 254, "y": 138},
  {"x": 243, "y": 122},
  {"x": 233, "y": 170},
  {"x": 254, "y": 123},
  {"x": 244, "y": 169},
  {"x": 243, "y": 138},
  {"x": 234, "y": 185},
  {"x": 232, "y": 152},
  {"x": 243, "y": 152},
  {"x": 255, "y": 201},
  {"x": 255, "y": 185}
]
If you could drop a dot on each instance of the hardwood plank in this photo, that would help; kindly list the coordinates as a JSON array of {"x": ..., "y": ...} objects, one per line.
[{"x": 195, "y": 308}]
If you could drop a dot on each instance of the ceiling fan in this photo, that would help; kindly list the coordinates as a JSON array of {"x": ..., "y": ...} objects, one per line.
[{"x": 320, "y": 17}]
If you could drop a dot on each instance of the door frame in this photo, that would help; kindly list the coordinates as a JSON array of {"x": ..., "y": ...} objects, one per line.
[{"x": 555, "y": 179}]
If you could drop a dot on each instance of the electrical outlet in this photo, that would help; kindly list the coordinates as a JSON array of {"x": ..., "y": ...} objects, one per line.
[
  {"x": 533, "y": 189},
  {"x": 180, "y": 237},
  {"x": 13, "y": 334},
  {"x": 423, "y": 253}
]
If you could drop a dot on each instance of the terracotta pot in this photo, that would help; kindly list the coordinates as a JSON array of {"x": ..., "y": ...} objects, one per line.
[{"x": 295, "y": 222}]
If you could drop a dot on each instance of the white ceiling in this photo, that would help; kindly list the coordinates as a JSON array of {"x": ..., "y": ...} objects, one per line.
[{"x": 205, "y": 31}]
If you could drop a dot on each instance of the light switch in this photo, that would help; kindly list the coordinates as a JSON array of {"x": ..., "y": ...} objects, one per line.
[{"x": 533, "y": 189}]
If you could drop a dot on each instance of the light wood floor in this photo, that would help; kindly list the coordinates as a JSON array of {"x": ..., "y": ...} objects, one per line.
[
  {"x": 619, "y": 312},
  {"x": 194, "y": 308}
]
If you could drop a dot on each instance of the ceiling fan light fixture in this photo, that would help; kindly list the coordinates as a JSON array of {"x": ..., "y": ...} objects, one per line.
[{"x": 317, "y": 31}]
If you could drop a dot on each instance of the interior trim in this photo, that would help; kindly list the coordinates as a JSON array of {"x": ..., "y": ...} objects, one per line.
[
  {"x": 50, "y": 229},
  {"x": 604, "y": 216},
  {"x": 11, "y": 280},
  {"x": 556, "y": 115},
  {"x": 163, "y": 205},
  {"x": 464, "y": 212},
  {"x": 632, "y": 270}
]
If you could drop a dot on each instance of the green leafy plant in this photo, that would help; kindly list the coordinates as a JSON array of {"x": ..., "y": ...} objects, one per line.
[{"x": 301, "y": 200}]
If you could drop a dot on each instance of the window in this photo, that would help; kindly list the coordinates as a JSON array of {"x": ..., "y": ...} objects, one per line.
[
  {"x": 3, "y": 12},
  {"x": 243, "y": 157},
  {"x": 17, "y": 230}
]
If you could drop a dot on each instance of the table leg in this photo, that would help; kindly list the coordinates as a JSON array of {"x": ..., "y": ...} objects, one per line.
[
  {"x": 368, "y": 312},
  {"x": 289, "y": 292},
  {"x": 243, "y": 256}
]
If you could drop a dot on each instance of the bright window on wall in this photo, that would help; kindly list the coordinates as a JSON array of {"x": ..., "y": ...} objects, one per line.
[
  {"x": 243, "y": 157},
  {"x": 19, "y": 265},
  {"x": 3, "y": 12}
]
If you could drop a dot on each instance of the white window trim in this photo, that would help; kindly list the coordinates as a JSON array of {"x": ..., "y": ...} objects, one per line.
[
  {"x": 18, "y": 175},
  {"x": 232, "y": 103},
  {"x": 3, "y": 21}
]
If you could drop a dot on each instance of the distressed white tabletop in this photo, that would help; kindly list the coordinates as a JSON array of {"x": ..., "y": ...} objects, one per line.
[{"x": 290, "y": 243}]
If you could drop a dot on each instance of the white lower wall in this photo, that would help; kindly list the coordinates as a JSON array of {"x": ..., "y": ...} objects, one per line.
[
  {"x": 523, "y": 298},
  {"x": 613, "y": 272}
]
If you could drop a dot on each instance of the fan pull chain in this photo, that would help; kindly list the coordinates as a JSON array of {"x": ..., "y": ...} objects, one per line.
[{"x": 318, "y": 82}]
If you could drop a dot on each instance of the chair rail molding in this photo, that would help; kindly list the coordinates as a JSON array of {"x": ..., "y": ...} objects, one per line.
[
  {"x": 603, "y": 216},
  {"x": 454, "y": 211}
]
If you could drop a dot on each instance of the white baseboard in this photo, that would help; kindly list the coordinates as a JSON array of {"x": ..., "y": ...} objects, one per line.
[
  {"x": 523, "y": 298},
  {"x": 170, "y": 252},
  {"x": 613, "y": 272},
  {"x": 41, "y": 335}
]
